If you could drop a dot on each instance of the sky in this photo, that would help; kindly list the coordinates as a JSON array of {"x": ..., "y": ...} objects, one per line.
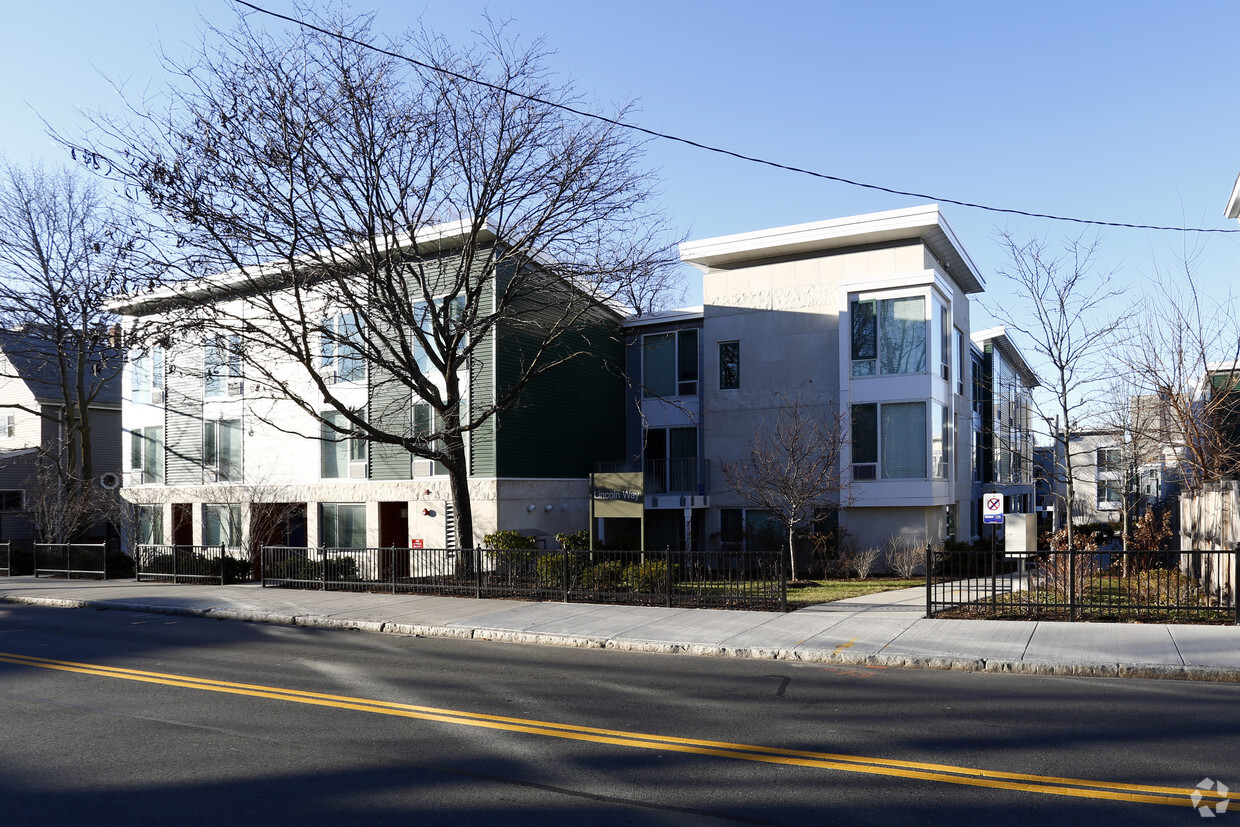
[{"x": 1123, "y": 112}]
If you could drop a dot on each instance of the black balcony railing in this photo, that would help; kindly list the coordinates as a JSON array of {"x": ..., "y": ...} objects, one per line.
[{"x": 677, "y": 476}]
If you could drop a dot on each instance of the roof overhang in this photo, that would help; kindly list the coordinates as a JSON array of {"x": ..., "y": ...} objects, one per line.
[
  {"x": 1011, "y": 354},
  {"x": 433, "y": 239},
  {"x": 923, "y": 223},
  {"x": 1233, "y": 204}
]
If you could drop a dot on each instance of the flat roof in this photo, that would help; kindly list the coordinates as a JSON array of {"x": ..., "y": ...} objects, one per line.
[
  {"x": 923, "y": 223},
  {"x": 1004, "y": 344},
  {"x": 681, "y": 314}
]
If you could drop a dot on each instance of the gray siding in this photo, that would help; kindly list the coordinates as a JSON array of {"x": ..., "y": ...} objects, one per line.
[{"x": 183, "y": 427}]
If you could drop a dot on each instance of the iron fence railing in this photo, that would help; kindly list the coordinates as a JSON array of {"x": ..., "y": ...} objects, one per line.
[
  {"x": 71, "y": 560},
  {"x": 748, "y": 580},
  {"x": 189, "y": 564},
  {"x": 1159, "y": 586}
]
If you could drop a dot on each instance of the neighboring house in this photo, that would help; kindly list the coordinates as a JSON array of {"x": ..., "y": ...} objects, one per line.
[
  {"x": 1100, "y": 476},
  {"x": 1002, "y": 403},
  {"x": 213, "y": 461},
  {"x": 868, "y": 316},
  {"x": 31, "y": 398}
]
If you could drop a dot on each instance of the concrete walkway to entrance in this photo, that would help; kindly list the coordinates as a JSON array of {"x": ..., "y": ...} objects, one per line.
[{"x": 885, "y": 629}]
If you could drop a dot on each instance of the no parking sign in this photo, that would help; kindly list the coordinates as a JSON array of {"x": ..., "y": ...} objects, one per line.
[{"x": 992, "y": 509}]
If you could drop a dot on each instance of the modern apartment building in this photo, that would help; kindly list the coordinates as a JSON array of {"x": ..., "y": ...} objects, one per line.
[
  {"x": 864, "y": 317},
  {"x": 217, "y": 456}
]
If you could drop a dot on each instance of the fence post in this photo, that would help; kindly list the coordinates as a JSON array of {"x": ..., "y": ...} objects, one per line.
[
  {"x": 476, "y": 553},
  {"x": 1071, "y": 583},
  {"x": 667, "y": 574},
  {"x": 221, "y": 564},
  {"x": 783, "y": 583},
  {"x": 323, "y": 572},
  {"x": 564, "y": 572},
  {"x": 929, "y": 556},
  {"x": 1235, "y": 583}
]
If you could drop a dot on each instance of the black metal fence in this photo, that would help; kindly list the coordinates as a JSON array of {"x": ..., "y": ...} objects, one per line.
[
  {"x": 71, "y": 560},
  {"x": 6, "y": 559},
  {"x": 740, "y": 580},
  {"x": 189, "y": 564},
  {"x": 1155, "y": 586}
]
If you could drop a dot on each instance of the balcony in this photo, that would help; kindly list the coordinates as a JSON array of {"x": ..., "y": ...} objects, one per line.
[{"x": 677, "y": 476}]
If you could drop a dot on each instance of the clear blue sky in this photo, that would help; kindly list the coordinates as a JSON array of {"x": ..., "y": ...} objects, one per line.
[{"x": 1121, "y": 111}]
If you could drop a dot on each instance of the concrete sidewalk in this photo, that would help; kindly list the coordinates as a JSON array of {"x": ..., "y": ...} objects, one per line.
[{"x": 885, "y": 629}]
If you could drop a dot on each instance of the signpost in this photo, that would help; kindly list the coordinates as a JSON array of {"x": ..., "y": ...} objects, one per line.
[{"x": 992, "y": 509}]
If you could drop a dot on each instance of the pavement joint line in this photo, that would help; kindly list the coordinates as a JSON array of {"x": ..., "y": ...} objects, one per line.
[{"x": 931, "y": 661}]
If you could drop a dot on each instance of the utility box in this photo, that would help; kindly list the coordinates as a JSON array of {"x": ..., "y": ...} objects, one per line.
[{"x": 1020, "y": 533}]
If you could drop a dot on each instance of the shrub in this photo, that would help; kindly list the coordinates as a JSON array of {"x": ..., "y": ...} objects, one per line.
[
  {"x": 512, "y": 550},
  {"x": 339, "y": 569},
  {"x": 574, "y": 541},
  {"x": 650, "y": 576},
  {"x": 550, "y": 569},
  {"x": 905, "y": 555},
  {"x": 509, "y": 541},
  {"x": 860, "y": 561},
  {"x": 607, "y": 576}
]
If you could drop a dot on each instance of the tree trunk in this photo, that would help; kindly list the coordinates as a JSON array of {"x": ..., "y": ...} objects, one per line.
[
  {"x": 792, "y": 555},
  {"x": 458, "y": 485}
]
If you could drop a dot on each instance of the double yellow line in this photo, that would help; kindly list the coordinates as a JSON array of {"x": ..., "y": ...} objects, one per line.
[{"x": 945, "y": 773}]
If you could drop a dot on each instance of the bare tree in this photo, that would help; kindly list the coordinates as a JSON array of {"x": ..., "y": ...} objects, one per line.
[
  {"x": 1064, "y": 299},
  {"x": 401, "y": 216},
  {"x": 1185, "y": 357},
  {"x": 64, "y": 251},
  {"x": 793, "y": 471}
]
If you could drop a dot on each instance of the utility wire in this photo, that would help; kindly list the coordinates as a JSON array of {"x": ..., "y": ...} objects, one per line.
[{"x": 730, "y": 153}]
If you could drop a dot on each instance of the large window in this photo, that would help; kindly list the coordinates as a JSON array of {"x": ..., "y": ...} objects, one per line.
[
  {"x": 147, "y": 377},
  {"x": 149, "y": 524},
  {"x": 221, "y": 525},
  {"x": 339, "y": 357},
  {"x": 221, "y": 450},
  {"x": 671, "y": 460},
  {"x": 342, "y": 525},
  {"x": 221, "y": 362},
  {"x": 941, "y": 442},
  {"x": 1110, "y": 493},
  {"x": 1110, "y": 460},
  {"x": 426, "y": 323},
  {"x": 11, "y": 500},
  {"x": 889, "y": 336},
  {"x": 670, "y": 364},
  {"x": 729, "y": 366},
  {"x": 146, "y": 454},
  {"x": 750, "y": 529},
  {"x": 889, "y": 441},
  {"x": 339, "y": 455}
]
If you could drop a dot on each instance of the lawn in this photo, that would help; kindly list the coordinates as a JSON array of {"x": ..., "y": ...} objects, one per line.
[{"x": 825, "y": 591}]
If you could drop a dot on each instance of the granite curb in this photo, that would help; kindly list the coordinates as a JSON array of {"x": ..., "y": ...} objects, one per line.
[{"x": 823, "y": 656}]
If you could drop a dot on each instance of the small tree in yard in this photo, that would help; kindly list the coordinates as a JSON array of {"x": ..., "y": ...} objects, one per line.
[
  {"x": 1062, "y": 295},
  {"x": 793, "y": 470}
]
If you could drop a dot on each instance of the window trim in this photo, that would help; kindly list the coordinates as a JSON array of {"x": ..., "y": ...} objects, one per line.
[
  {"x": 683, "y": 385},
  {"x": 730, "y": 380}
]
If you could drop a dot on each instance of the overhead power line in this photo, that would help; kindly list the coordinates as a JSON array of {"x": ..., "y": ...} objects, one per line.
[{"x": 730, "y": 153}]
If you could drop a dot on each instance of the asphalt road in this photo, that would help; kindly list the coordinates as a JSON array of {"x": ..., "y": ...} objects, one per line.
[{"x": 123, "y": 718}]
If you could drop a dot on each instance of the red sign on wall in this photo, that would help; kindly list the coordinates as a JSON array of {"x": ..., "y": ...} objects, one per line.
[{"x": 415, "y": 543}]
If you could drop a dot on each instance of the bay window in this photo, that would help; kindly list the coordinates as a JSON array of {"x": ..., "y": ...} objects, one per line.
[
  {"x": 888, "y": 336},
  {"x": 889, "y": 441}
]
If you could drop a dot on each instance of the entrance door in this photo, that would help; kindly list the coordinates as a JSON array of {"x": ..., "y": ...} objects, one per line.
[
  {"x": 182, "y": 524},
  {"x": 394, "y": 534}
]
